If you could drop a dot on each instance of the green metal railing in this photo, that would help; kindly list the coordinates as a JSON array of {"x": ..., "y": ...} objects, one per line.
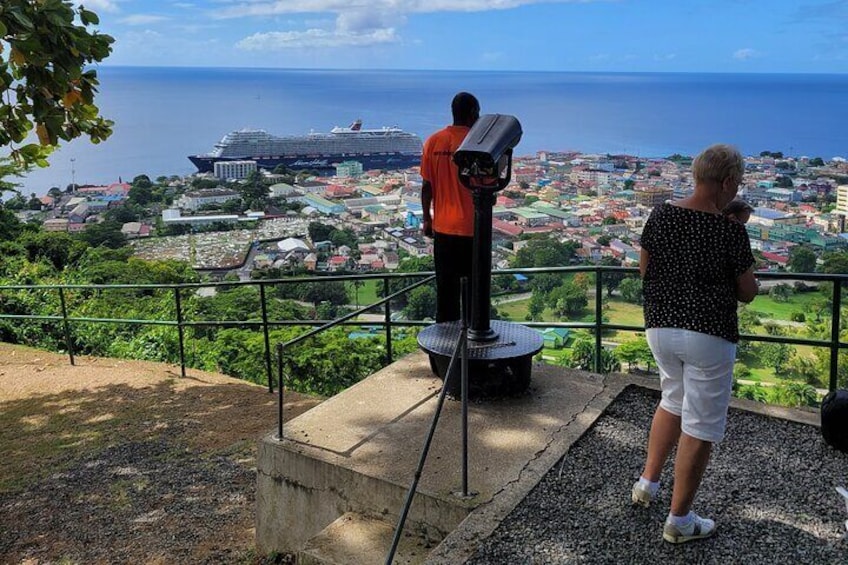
[{"x": 597, "y": 327}]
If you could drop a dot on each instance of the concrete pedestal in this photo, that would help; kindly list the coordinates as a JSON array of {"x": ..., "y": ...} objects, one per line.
[{"x": 357, "y": 452}]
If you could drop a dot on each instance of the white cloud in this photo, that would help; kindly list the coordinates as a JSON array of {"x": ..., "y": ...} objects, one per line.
[
  {"x": 665, "y": 57},
  {"x": 315, "y": 38},
  {"x": 102, "y": 5},
  {"x": 184, "y": 5},
  {"x": 142, "y": 19},
  {"x": 745, "y": 54},
  {"x": 266, "y": 8}
]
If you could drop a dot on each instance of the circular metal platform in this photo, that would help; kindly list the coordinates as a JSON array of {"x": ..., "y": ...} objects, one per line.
[{"x": 495, "y": 368}]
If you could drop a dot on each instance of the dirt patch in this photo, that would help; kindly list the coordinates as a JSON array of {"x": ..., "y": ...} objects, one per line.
[{"x": 125, "y": 461}]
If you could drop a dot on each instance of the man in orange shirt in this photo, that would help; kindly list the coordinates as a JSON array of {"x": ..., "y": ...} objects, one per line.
[{"x": 451, "y": 222}]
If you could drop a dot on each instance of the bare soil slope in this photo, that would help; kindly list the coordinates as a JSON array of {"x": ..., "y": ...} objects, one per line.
[{"x": 124, "y": 461}]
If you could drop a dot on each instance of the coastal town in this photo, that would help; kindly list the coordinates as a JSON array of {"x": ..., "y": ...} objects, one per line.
[{"x": 599, "y": 202}]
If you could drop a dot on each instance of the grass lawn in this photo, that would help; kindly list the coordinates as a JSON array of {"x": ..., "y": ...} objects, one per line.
[
  {"x": 619, "y": 312},
  {"x": 367, "y": 293},
  {"x": 766, "y": 307}
]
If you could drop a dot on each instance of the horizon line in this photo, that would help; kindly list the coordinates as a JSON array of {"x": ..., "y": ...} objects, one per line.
[{"x": 475, "y": 71}]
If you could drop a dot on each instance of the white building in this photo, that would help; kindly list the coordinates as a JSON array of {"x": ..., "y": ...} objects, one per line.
[
  {"x": 196, "y": 199},
  {"x": 842, "y": 199},
  {"x": 349, "y": 169},
  {"x": 234, "y": 169}
]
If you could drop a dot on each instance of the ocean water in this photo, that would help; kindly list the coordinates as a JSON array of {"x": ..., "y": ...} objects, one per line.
[{"x": 164, "y": 114}]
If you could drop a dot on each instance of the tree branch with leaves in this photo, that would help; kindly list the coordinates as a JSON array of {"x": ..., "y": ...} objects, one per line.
[{"x": 46, "y": 83}]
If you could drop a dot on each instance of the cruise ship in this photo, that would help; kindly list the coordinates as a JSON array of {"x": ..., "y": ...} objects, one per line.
[{"x": 384, "y": 148}]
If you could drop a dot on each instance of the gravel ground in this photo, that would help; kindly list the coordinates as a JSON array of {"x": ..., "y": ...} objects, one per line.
[{"x": 769, "y": 486}]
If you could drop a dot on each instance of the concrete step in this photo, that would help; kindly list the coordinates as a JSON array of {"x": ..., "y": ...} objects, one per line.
[{"x": 360, "y": 540}]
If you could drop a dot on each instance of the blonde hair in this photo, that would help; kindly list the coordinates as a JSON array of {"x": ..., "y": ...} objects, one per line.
[{"x": 717, "y": 163}]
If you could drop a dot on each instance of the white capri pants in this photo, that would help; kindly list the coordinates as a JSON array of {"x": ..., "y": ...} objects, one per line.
[{"x": 696, "y": 376}]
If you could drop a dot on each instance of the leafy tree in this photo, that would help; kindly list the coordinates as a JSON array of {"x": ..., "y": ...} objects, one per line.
[
  {"x": 631, "y": 290},
  {"x": 420, "y": 264},
  {"x": 793, "y": 394},
  {"x": 344, "y": 236},
  {"x": 776, "y": 355},
  {"x": 34, "y": 202},
  {"x": 634, "y": 352},
  {"x": 319, "y": 231},
  {"x": 807, "y": 370},
  {"x": 46, "y": 79},
  {"x": 583, "y": 357},
  {"x": 544, "y": 252},
  {"x": 835, "y": 262},
  {"x": 16, "y": 202},
  {"x": 421, "y": 303},
  {"x": 536, "y": 306},
  {"x": 140, "y": 194},
  {"x": 604, "y": 240},
  {"x": 582, "y": 280},
  {"x": 568, "y": 299},
  {"x": 60, "y": 249},
  {"x": 802, "y": 259},
  {"x": 740, "y": 372},
  {"x": 126, "y": 212},
  {"x": 254, "y": 191},
  {"x": 333, "y": 292},
  {"x": 783, "y": 182},
  {"x": 611, "y": 280},
  {"x": 10, "y": 226},
  {"x": 543, "y": 283},
  {"x": 106, "y": 233},
  {"x": 816, "y": 162},
  {"x": 781, "y": 293}
]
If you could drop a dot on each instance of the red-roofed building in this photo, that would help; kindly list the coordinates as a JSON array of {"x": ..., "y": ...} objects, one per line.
[
  {"x": 337, "y": 262},
  {"x": 506, "y": 201},
  {"x": 781, "y": 260},
  {"x": 121, "y": 188},
  {"x": 507, "y": 228},
  {"x": 339, "y": 191}
]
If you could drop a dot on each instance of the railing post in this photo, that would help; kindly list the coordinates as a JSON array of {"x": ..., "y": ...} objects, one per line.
[
  {"x": 599, "y": 297},
  {"x": 267, "y": 338},
  {"x": 280, "y": 388},
  {"x": 834, "y": 333},
  {"x": 388, "y": 317},
  {"x": 66, "y": 324},
  {"x": 180, "y": 330},
  {"x": 463, "y": 335}
]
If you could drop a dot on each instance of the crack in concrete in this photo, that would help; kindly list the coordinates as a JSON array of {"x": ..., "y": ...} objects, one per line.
[{"x": 553, "y": 438}]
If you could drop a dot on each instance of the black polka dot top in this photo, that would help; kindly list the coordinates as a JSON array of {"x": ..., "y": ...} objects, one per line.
[{"x": 694, "y": 259}]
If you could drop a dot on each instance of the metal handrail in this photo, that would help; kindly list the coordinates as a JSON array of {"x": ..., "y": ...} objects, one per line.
[
  {"x": 460, "y": 352},
  {"x": 597, "y": 326}
]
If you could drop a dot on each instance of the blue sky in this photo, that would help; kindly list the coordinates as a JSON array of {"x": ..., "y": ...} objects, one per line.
[{"x": 547, "y": 35}]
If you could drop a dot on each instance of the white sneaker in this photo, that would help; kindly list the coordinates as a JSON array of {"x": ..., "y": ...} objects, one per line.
[
  {"x": 698, "y": 528},
  {"x": 641, "y": 495}
]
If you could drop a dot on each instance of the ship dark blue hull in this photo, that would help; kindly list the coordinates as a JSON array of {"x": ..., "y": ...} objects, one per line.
[{"x": 324, "y": 164}]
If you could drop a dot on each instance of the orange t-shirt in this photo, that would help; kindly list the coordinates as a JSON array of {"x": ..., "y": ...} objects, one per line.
[{"x": 453, "y": 208}]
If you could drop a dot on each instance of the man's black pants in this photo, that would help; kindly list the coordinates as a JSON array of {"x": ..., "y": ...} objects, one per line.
[{"x": 452, "y": 256}]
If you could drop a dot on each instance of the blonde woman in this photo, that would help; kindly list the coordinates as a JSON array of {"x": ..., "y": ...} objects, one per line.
[{"x": 695, "y": 264}]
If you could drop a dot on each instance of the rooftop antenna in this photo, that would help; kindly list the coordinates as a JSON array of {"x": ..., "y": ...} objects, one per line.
[{"x": 73, "y": 176}]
